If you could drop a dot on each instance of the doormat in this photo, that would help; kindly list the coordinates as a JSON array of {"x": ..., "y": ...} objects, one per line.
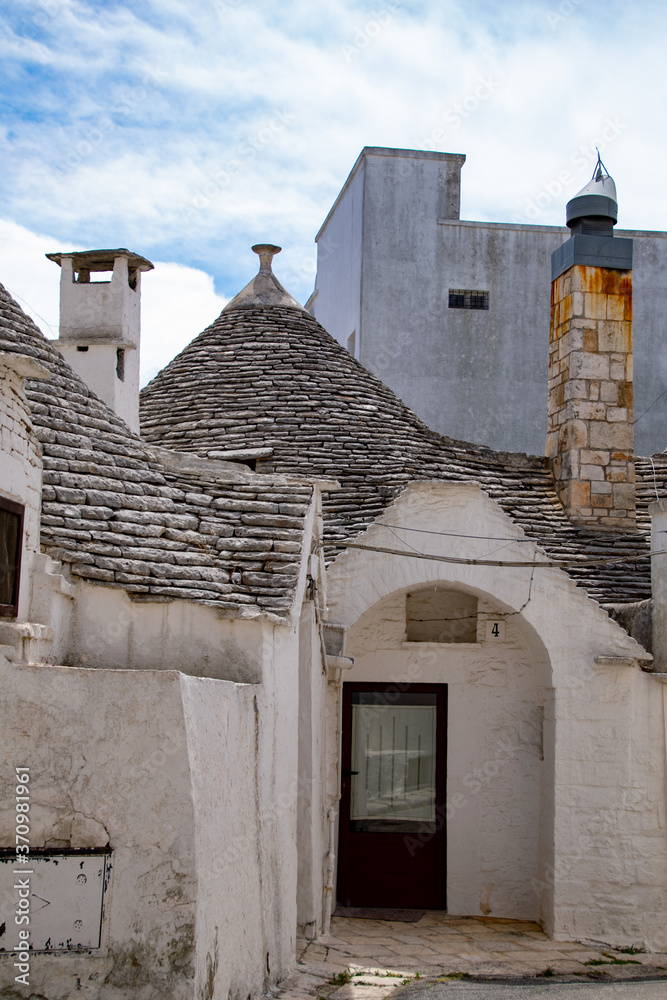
[{"x": 371, "y": 913}]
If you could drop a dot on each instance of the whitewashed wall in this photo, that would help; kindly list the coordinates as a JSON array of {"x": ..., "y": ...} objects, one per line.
[
  {"x": 192, "y": 783},
  {"x": 603, "y": 733},
  {"x": 20, "y": 461},
  {"x": 312, "y": 808},
  {"x": 494, "y": 748}
]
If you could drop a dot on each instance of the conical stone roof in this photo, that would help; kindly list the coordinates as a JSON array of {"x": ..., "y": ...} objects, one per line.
[
  {"x": 118, "y": 514},
  {"x": 270, "y": 377}
]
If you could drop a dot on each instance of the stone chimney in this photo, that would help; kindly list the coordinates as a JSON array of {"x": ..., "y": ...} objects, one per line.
[
  {"x": 590, "y": 434},
  {"x": 100, "y": 324}
]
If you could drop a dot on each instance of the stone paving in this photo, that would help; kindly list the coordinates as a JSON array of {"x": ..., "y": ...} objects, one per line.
[{"x": 368, "y": 959}]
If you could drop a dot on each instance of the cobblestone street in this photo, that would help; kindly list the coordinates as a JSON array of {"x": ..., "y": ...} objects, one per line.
[{"x": 368, "y": 959}]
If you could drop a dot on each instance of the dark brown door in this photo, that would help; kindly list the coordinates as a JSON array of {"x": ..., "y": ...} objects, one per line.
[{"x": 392, "y": 815}]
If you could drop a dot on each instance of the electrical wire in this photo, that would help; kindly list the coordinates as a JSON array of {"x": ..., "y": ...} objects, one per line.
[
  {"x": 482, "y": 538},
  {"x": 548, "y": 564}
]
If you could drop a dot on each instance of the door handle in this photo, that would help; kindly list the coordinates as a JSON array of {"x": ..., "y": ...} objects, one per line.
[{"x": 347, "y": 773}]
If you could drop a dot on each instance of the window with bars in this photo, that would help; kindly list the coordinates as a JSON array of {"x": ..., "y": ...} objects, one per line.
[
  {"x": 11, "y": 543},
  {"x": 468, "y": 298}
]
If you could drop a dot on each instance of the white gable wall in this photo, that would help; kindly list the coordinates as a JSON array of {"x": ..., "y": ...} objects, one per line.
[{"x": 603, "y": 732}]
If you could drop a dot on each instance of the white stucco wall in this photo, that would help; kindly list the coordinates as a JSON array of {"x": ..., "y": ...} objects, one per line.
[
  {"x": 20, "y": 463},
  {"x": 602, "y": 844},
  {"x": 339, "y": 258},
  {"x": 188, "y": 781},
  {"x": 312, "y": 808},
  {"x": 104, "y": 628},
  {"x": 494, "y": 750},
  {"x": 107, "y": 760}
]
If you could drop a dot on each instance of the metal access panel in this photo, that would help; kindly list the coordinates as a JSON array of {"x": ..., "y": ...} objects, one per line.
[{"x": 66, "y": 900}]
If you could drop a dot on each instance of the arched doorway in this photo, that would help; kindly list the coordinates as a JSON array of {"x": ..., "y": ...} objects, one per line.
[{"x": 443, "y": 722}]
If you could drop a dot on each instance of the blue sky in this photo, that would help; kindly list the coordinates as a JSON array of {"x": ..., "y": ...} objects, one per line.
[{"x": 188, "y": 131}]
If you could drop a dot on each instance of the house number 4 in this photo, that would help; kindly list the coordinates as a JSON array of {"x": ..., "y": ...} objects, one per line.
[{"x": 495, "y": 629}]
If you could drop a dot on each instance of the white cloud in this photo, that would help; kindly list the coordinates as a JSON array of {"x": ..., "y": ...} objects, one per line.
[
  {"x": 190, "y": 170},
  {"x": 177, "y": 303}
]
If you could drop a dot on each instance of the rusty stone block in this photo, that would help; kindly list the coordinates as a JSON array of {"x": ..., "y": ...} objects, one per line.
[
  {"x": 579, "y": 495},
  {"x": 614, "y": 336},
  {"x": 594, "y": 473},
  {"x": 576, "y": 388},
  {"x": 609, "y": 391},
  {"x": 574, "y": 434},
  {"x": 625, "y": 394},
  {"x": 615, "y": 307},
  {"x": 594, "y": 457},
  {"x": 589, "y": 366},
  {"x": 610, "y": 282},
  {"x": 611, "y": 436},
  {"x": 586, "y": 410},
  {"x": 591, "y": 341},
  {"x": 595, "y": 305},
  {"x": 624, "y": 495}
]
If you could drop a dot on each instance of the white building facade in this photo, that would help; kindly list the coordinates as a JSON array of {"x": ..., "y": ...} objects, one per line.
[{"x": 395, "y": 264}]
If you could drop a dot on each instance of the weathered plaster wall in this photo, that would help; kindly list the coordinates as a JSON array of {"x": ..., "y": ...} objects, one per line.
[
  {"x": 108, "y": 766},
  {"x": 477, "y": 376},
  {"x": 312, "y": 808},
  {"x": 20, "y": 468},
  {"x": 97, "y": 311},
  {"x": 339, "y": 255},
  {"x": 610, "y": 866},
  {"x": 106, "y": 629},
  {"x": 187, "y": 779},
  {"x": 494, "y": 751},
  {"x": 597, "y": 754},
  {"x": 242, "y": 749}
]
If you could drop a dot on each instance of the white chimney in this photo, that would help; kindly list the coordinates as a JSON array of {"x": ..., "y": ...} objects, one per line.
[{"x": 100, "y": 321}]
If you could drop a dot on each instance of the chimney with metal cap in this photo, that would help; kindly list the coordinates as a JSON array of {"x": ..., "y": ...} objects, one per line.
[
  {"x": 590, "y": 433},
  {"x": 100, "y": 323}
]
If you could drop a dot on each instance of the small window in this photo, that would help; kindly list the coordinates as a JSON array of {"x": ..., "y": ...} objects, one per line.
[
  {"x": 438, "y": 615},
  {"x": 81, "y": 347},
  {"x": 86, "y": 276},
  {"x": 11, "y": 543},
  {"x": 466, "y": 298},
  {"x": 120, "y": 364}
]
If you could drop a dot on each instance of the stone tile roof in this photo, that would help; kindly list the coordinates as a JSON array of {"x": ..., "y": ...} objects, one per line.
[
  {"x": 273, "y": 378},
  {"x": 120, "y": 513}
]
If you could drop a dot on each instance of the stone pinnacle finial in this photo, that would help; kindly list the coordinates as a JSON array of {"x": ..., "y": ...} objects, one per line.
[{"x": 267, "y": 252}]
